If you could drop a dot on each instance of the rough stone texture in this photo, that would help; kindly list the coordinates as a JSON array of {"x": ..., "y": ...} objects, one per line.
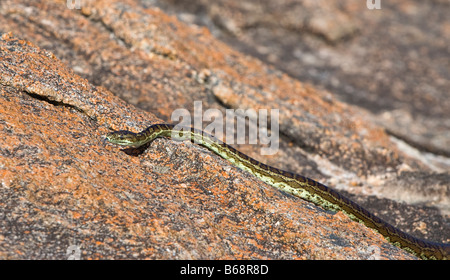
[
  {"x": 60, "y": 185},
  {"x": 393, "y": 62}
]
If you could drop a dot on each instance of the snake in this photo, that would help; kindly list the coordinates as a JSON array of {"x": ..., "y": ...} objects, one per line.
[{"x": 295, "y": 184}]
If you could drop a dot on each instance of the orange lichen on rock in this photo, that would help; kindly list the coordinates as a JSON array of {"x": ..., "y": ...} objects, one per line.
[{"x": 61, "y": 185}]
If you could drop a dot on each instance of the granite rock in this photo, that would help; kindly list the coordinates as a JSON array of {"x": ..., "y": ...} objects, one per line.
[{"x": 68, "y": 76}]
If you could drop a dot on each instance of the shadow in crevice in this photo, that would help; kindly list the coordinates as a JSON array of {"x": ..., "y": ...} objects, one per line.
[{"x": 136, "y": 151}]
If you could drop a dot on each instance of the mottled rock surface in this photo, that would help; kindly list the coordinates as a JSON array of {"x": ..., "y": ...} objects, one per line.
[
  {"x": 391, "y": 61},
  {"x": 68, "y": 76}
]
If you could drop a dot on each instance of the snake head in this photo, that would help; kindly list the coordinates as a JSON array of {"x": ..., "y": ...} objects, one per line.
[{"x": 121, "y": 137}]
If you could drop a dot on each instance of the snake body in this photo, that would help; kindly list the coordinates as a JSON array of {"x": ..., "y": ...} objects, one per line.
[{"x": 292, "y": 183}]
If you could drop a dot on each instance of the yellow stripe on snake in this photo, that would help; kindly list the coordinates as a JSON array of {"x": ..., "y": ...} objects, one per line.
[{"x": 294, "y": 184}]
